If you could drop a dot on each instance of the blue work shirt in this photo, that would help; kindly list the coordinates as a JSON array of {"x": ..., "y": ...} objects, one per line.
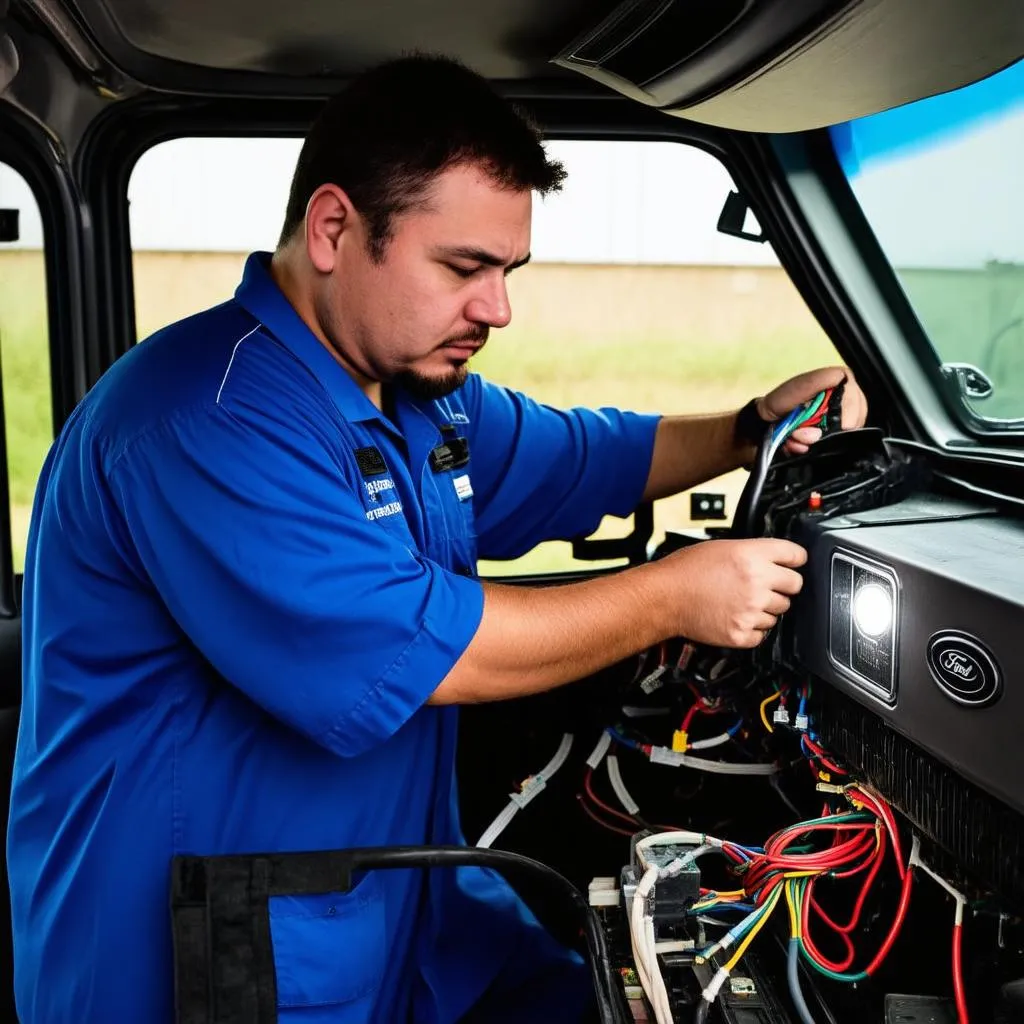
[{"x": 243, "y": 582}]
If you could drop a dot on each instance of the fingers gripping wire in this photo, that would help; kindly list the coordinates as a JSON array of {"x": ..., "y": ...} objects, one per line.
[
  {"x": 822, "y": 412},
  {"x": 529, "y": 789}
]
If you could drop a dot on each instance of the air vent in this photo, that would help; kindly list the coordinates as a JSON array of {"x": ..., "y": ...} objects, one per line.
[
  {"x": 669, "y": 52},
  {"x": 644, "y": 39}
]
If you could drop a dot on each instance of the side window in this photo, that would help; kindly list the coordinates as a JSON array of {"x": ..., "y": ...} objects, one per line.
[
  {"x": 633, "y": 297},
  {"x": 24, "y": 350}
]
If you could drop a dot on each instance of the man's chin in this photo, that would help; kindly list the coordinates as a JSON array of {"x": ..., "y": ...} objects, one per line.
[{"x": 420, "y": 385}]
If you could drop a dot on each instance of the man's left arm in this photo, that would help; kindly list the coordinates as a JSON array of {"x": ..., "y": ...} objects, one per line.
[{"x": 689, "y": 450}]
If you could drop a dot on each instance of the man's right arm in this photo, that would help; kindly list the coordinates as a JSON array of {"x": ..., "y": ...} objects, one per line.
[{"x": 725, "y": 593}]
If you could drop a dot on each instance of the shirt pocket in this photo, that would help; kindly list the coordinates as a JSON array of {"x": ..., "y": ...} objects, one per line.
[
  {"x": 456, "y": 490},
  {"x": 329, "y": 954}
]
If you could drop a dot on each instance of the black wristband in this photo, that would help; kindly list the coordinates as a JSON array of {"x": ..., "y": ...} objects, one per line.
[{"x": 750, "y": 427}]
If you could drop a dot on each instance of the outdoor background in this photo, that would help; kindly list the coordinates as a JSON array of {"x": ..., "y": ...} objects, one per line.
[{"x": 633, "y": 299}]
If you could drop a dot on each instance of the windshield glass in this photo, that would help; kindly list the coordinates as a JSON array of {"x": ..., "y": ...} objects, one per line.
[{"x": 941, "y": 182}]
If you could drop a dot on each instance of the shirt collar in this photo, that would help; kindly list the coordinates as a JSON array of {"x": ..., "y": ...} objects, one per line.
[{"x": 259, "y": 294}]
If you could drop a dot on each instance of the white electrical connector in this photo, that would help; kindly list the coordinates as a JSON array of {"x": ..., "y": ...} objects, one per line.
[
  {"x": 530, "y": 788},
  {"x": 603, "y": 892},
  {"x": 664, "y": 755},
  {"x": 801, "y": 722},
  {"x": 652, "y": 682},
  {"x": 781, "y": 715}
]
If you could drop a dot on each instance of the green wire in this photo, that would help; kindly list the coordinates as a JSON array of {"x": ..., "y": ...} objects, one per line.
[
  {"x": 811, "y": 409},
  {"x": 801, "y": 888}
]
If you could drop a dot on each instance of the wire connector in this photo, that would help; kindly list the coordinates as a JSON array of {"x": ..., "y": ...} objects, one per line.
[
  {"x": 801, "y": 722},
  {"x": 680, "y": 741},
  {"x": 528, "y": 790},
  {"x": 652, "y": 682},
  {"x": 781, "y": 715}
]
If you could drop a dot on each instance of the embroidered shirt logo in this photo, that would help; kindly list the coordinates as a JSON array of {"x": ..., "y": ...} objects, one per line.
[{"x": 374, "y": 488}]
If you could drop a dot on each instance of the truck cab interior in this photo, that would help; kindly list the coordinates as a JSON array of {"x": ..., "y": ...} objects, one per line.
[{"x": 829, "y": 828}]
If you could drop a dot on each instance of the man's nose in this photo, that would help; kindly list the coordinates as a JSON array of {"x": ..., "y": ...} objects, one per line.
[{"x": 490, "y": 305}]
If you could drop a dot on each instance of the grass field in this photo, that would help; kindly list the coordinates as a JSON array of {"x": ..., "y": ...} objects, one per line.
[{"x": 652, "y": 339}]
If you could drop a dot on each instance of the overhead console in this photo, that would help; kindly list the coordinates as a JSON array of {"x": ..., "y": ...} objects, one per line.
[{"x": 793, "y": 65}]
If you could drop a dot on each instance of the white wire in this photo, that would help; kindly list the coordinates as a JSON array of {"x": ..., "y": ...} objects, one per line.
[
  {"x": 615, "y": 777},
  {"x": 531, "y": 787},
  {"x": 559, "y": 759},
  {"x": 496, "y": 827},
  {"x": 712, "y": 741},
  {"x": 641, "y": 932},
  {"x": 663, "y": 755}
]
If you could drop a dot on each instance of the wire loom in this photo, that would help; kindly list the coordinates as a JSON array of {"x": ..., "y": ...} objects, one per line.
[{"x": 977, "y": 835}]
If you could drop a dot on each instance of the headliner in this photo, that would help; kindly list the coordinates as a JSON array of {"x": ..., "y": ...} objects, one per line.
[{"x": 501, "y": 39}]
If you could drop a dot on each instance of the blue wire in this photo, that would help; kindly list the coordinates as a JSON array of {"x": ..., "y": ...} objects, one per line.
[
  {"x": 732, "y": 730},
  {"x": 625, "y": 741},
  {"x": 747, "y": 908}
]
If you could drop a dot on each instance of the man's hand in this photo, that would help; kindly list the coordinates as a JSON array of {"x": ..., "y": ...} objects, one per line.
[
  {"x": 803, "y": 388},
  {"x": 729, "y": 593}
]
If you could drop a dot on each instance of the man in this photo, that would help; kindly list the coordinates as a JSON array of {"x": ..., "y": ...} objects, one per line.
[{"x": 250, "y": 605}]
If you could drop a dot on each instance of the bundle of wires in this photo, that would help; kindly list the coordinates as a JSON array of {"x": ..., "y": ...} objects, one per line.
[
  {"x": 791, "y": 864},
  {"x": 677, "y": 758},
  {"x": 811, "y": 414}
]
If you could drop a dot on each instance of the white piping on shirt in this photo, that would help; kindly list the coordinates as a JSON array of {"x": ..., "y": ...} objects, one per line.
[{"x": 232, "y": 359}]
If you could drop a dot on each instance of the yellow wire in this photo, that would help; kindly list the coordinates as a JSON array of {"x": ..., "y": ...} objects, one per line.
[
  {"x": 764, "y": 709},
  {"x": 794, "y": 914},
  {"x": 751, "y": 935}
]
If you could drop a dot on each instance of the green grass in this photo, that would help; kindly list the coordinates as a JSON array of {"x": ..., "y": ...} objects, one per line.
[
  {"x": 28, "y": 414},
  {"x": 672, "y": 374}
]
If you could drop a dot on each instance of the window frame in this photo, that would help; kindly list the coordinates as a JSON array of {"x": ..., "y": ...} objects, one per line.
[
  {"x": 119, "y": 137},
  {"x": 27, "y": 151},
  {"x": 903, "y": 346}
]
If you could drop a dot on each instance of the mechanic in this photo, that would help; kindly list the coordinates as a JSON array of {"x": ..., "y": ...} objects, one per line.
[{"x": 250, "y": 601}]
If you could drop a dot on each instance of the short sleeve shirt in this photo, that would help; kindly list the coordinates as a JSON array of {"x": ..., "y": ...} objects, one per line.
[{"x": 243, "y": 582}]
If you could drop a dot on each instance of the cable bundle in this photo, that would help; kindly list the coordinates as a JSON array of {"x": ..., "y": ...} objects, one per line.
[{"x": 792, "y": 862}]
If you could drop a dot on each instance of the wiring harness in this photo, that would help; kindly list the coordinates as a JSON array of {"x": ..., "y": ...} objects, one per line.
[{"x": 822, "y": 412}]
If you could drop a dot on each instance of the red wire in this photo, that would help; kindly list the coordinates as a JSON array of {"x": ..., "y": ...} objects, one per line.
[
  {"x": 884, "y": 811},
  {"x": 588, "y": 787},
  {"x": 604, "y": 824},
  {"x": 897, "y": 924},
  {"x": 842, "y": 931},
  {"x": 833, "y": 965},
  {"x": 958, "y": 975}
]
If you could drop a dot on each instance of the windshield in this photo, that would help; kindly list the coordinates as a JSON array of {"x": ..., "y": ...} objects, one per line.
[{"x": 941, "y": 182}]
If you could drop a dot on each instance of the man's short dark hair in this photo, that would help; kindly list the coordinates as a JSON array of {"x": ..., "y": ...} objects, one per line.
[{"x": 393, "y": 129}]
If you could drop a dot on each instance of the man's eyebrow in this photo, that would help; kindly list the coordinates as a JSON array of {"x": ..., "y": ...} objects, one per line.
[{"x": 488, "y": 259}]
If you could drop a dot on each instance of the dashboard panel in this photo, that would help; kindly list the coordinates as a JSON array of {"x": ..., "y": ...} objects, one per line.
[{"x": 916, "y": 611}]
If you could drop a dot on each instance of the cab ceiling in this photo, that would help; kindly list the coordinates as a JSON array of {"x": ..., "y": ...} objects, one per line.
[{"x": 303, "y": 46}]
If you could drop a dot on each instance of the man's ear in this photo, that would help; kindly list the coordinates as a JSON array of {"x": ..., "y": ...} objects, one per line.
[{"x": 329, "y": 215}]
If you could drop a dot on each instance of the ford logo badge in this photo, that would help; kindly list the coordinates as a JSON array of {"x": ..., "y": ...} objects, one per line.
[{"x": 964, "y": 670}]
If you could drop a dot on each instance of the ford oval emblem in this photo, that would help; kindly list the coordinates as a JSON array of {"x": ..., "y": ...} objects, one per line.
[{"x": 964, "y": 670}]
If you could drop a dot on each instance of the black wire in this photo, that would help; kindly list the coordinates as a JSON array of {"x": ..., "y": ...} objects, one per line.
[
  {"x": 611, "y": 1001},
  {"x": 700, "y": 1015},
  {"x": 746, "y": 511}
]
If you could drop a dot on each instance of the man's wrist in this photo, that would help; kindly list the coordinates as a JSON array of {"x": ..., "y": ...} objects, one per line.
[
  {"x": 750, "y": 426},
  {"x": 749, "y": 430}
]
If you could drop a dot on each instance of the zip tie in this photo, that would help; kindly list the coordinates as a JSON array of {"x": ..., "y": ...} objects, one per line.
[{"x": 915, "y": 861}]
